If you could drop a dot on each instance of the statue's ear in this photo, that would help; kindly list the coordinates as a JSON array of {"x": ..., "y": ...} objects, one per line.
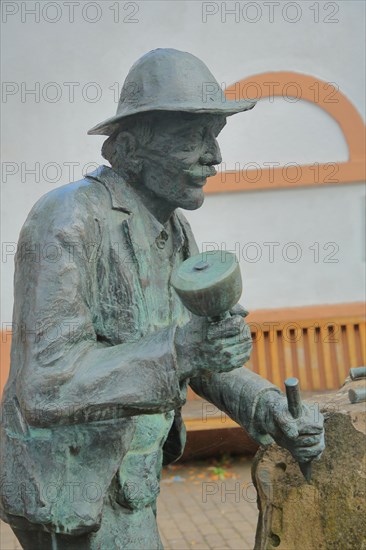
[{"x": 127, "y": 142}]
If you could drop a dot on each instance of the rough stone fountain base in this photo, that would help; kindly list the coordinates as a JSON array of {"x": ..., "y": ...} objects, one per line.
[{"x": 330, "y": 512}]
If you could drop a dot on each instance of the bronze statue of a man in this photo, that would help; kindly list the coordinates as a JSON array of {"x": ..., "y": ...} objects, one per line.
[{"x": 104, "y": 348}]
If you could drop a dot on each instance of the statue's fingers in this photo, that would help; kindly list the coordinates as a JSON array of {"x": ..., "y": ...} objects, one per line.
[
  {"x": 239, "y": 310},
  {"x": 241, "y": 359},
  {"x": 226, "y": 328},
  {"x": 308, "y": 428},
  {"x": 318, "y": 457},
  {"x": 310, "y": 441},
  {"x": 285, "y": 422},
  {"x": 237, "y": 350},
  {"x": 303, "y": 454}
]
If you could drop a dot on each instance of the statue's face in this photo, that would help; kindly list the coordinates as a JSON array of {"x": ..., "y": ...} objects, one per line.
[{"x": 181, "y": 156}]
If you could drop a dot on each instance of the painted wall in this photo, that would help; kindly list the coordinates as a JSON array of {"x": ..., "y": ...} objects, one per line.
[
  {"x": 74, "y": 67},
  {"x": 297, "y": 247}
]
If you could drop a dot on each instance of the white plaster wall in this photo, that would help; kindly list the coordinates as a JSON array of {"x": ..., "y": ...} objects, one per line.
[
  {"x": 296, "y": 247},
  {"x": 53, "y": 134}
]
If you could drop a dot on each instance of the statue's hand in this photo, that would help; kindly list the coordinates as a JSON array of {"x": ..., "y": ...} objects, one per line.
[
  {"x": 303, "y": 436},
  {"x": 207, "y": 347}
]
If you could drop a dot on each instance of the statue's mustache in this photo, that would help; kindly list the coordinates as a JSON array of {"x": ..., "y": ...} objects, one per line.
[{"x": 201, "y": 172}]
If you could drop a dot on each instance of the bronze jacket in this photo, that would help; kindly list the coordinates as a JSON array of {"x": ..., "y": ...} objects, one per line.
[{"x": 88, "y": 355}]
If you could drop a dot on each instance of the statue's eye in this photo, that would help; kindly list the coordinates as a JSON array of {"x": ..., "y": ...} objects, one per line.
[
  {"x": 188, "y": 148},
  {"x": 192, "y": 139}
]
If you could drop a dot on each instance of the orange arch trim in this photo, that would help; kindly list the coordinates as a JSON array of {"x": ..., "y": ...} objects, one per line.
[{"x": 329, "y": 98}]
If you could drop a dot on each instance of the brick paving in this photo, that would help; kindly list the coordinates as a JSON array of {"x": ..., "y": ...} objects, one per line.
[
  {"x": 198, "y": 511},
  {"x": 7, "y": 539}
]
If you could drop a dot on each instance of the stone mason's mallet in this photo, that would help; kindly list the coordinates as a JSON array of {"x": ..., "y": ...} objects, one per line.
[
  {"x": 209, "y": 284},
  {"x": 294, "y": 406}
]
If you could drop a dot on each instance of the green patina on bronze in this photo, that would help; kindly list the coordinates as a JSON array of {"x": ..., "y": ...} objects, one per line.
[
  {"x": 104, "y": 348},
  {"x": 209, "y": 284}
]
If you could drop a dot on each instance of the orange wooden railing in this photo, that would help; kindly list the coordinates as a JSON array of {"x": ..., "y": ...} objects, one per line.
[{"x": 317, "y": 344}]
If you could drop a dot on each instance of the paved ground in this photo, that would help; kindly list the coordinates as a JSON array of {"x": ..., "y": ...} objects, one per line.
[
  {"x": 202, "y": 505},
  {"x": 204, "y": 512},
  {"x": 7, "y": 539}
]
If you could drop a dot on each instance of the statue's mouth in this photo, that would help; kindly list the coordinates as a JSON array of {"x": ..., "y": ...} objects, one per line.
[{"x": 200, "y": 174}]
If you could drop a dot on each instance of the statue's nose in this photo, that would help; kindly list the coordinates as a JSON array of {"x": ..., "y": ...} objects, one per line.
[{"x": 212, "y": 153}]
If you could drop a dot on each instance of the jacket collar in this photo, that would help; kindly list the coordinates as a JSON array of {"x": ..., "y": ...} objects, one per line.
[
  {"x": 125, "y": 199},
  {"x": 122, "y": 195}
]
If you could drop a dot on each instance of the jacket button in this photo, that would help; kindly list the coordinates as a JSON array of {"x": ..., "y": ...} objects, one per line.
[{"x": 160, "y": 243}]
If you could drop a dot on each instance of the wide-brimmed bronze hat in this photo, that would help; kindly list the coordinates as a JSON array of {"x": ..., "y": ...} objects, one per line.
[{"x": 170, "y": 80}]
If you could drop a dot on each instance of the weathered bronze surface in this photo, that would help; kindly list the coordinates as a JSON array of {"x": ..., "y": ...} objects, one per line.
[
  {"x": 294, "y": 404},
  {"x": 357, "y": 395},
  {"x": 105, "y": 349},
  {"x": 357, "y": 372},
  {"x": 209, "y": 284}
]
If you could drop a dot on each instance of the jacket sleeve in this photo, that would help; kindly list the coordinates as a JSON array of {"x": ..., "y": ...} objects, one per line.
[
  {"x": 64, "y": 375},
  {"x": 238, "y": 393}
]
